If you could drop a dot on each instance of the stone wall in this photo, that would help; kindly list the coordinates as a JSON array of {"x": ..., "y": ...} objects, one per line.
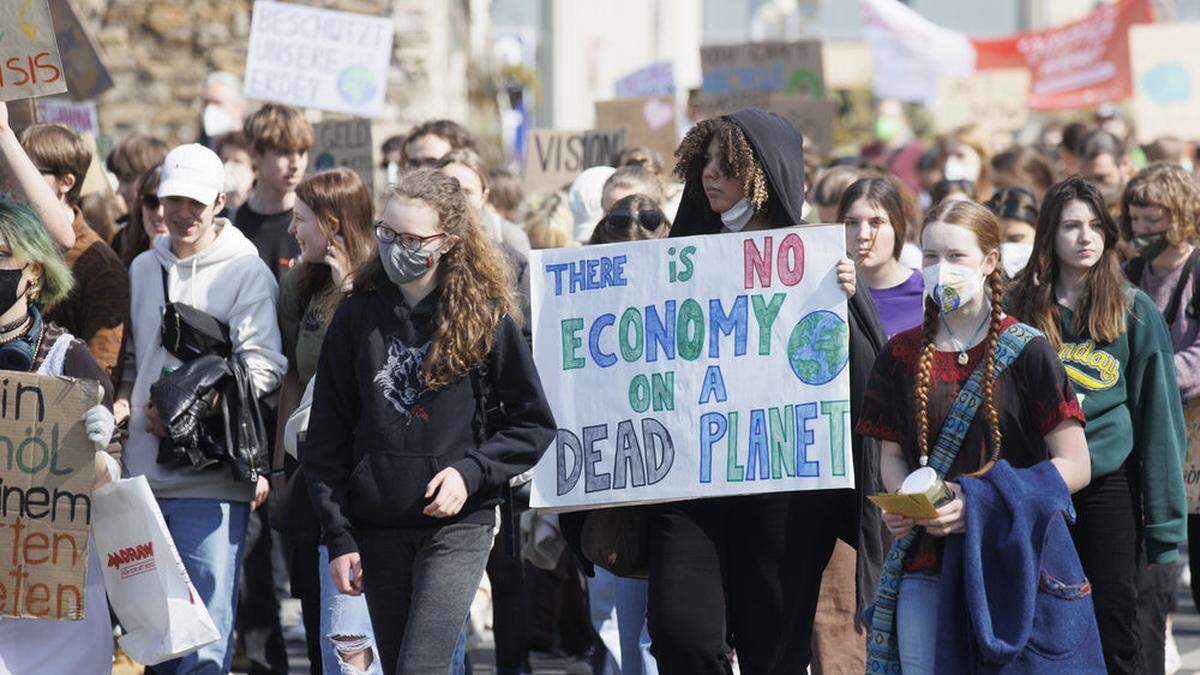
[{"x": 160, "y": 52}]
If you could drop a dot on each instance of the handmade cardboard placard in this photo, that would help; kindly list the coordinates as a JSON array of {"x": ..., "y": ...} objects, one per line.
[
  {"x": 345, "y": 143},
  {"x": 794, "y": 68},
  {"x": 656, "y": 79},
  {"x": 29, "y": 60},
  {"x": 814, "y": 119},
  {"x": 83, "y": 64},
  {"x": 648, "y": 121},
  {"x": 319, "y": 58},
  {"x": 46, "y": 471},
  {"x": 994, "y": 99},
  {"x": 554, "y": 157},
  {"x": 80, "y": 117},
  {"x": 694, "y": 367},
  {"x": 1165, "y": 62}
]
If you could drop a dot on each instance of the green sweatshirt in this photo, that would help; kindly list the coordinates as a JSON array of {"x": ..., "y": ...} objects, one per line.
[{"x": 1128, "y": 392}]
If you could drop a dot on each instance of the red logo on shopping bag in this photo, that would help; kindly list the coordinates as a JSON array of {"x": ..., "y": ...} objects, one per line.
[{"x": 133, "y": 560}]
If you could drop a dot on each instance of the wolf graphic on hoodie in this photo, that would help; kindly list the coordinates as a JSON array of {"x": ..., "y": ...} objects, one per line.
[{"x": 400, "y": 379}]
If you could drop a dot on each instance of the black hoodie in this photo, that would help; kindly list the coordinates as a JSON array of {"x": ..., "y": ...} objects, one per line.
[
  {"x": 780, "y": 149},
  {"x": 377, "y": 434}
]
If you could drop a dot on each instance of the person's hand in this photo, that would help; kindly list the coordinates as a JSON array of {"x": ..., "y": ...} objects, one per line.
[
  {"x": 451, "y": 494},
  {"x": 100, "y": 425},
  {"x": 952, "y": 517},
  {"x": 897, "y": 524},
  {"x": 121, "y": 410},
  {"x": 154, "y": 423},
  {"x": 347, "y": 573},
  {"x": 338, "y": 261},
  {"x": 847, "y": 279},
  {"x": 3, "y": 115},
  {"x": 106, "y": 469},
  {"x": 262, "y": 488}
]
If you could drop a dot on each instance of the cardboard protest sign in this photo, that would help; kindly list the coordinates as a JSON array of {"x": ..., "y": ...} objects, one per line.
[
  {"x": 1075, "y": 65},
  {"x": 742, "y": 75},
  {"x": 83, "y": 65},
  {"x": 656, "y": 79},
  {"x": 29, "y": 62},
  {"x": 79, "y": 117},
  {"x": 813, "y": 119},
  {"x": 345, "y": 143},
  {"x": 648, "y": 121},
  {"x": 319, "y": 58},
  {"x": 46, "y": 470},
  {"x": 848, "y": 65},
  {"x": 1165, "y": 61},
  {"x": 554, "y": 157},
  {"x": 995, "y": 99},
  {"x": 694, "y": 367}
]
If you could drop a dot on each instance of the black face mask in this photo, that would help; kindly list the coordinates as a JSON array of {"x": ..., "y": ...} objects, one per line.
[{"x": 9, "y": 281}]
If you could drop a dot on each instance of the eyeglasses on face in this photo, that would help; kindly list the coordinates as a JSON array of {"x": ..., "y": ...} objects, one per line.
[{"x": 411, "y": 242}]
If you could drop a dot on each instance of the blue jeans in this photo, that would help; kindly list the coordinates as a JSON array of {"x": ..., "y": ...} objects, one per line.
[
  {"x": 209, "y": 535},
  {"x": 916, "y": 622},
  {"x": 345, "y": 623},
  {"x": 618, "y": 607}
]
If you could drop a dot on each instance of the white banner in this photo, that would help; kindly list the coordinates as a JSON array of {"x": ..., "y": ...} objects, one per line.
[
  {"x": 318, "y": 58},
  {"x": 697, "y": 367},
  {"x": 910, "y": 53}
]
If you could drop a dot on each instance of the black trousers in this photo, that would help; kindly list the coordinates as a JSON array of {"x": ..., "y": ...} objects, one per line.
[
  {"x": 303, "y": 565},
  {"x": 741, "y": 573},
  {"x": 258, "y": 605},
  {"x": 510, "y": 604},
  {"x": 1106, "y": 536},
  {"x": 1156, "y": 599}
]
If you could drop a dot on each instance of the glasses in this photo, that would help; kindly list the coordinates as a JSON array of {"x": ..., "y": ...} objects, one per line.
[
  {"x": 622, "y": 219},
  {"x": 411, "y": 242}
]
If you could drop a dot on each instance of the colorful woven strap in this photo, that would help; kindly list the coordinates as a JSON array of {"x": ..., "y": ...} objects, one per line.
[{"x": 883, "y": 654}]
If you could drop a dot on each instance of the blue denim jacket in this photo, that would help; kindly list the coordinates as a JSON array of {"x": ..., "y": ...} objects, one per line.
[{"x": 1013, "y": 597}]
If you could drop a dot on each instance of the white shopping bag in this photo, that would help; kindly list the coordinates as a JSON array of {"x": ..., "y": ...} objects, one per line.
[{"x": 147, "y": 585}]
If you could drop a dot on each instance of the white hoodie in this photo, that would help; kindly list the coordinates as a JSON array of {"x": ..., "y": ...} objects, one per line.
[{"x": 229, "y": 281}]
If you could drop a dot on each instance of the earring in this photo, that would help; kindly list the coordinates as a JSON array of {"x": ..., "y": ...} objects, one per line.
[{"x": 32, "y": 294}]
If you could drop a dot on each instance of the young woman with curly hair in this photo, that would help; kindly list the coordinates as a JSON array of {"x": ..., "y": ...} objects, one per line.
[
  {"x": 1027, "y": 414},
  {"x": 404, "y": 472},
  {"x": 750, "y": 567},
  {"x": 1159, "y": 212},
  {"x": 1115, "y": 347}
]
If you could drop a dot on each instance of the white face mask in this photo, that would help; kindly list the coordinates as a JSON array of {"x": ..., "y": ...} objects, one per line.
[
  {"x": 1014, "y": 256},
  {"x": 961, "y": 168},
  {"x": 738, "y": 215},
  {"x": 217, "y": 121},
  {"x": 951, "y": 286}
]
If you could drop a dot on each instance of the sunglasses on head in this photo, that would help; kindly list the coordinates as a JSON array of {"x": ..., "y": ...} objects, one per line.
[{"x": 624, "y": 219}]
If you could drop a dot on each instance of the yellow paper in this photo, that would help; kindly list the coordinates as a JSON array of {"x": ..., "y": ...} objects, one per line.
[{"x": 917, "y": 506}]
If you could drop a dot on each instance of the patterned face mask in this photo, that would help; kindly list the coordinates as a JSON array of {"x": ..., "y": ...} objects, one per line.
[
  {"x": 951, "y": 286},
  {"x": 402, "y": 265}
]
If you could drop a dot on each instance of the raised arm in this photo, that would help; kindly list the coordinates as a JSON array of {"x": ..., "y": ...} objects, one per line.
[{"x": 27, "y": 183}]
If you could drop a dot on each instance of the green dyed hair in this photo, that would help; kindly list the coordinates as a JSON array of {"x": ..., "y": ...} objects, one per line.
[{"x": 28, "y": 240}]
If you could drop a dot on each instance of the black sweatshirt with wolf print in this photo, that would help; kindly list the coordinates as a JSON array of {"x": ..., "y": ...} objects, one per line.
[{"x": 377, "y": 434}]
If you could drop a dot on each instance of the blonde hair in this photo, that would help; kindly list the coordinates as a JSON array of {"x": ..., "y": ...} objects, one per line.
[
  {"x": 548, "y": 221},
  {"x": 1169, "y": 187},
  {"x": 475, "y": 281}
]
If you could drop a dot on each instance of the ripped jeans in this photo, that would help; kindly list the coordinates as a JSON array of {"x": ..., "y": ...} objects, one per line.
[{"x": 346, "y": 617}]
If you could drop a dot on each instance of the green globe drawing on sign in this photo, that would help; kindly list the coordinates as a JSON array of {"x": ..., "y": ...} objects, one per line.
[{"x": 819, "y": 347}]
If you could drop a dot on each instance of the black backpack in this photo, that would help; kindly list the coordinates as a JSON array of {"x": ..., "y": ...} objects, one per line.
[{"x": 1135, "y": 268}]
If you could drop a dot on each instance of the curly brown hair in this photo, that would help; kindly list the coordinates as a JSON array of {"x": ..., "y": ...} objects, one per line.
[
  {"x": 1169, "y": 187},
  {"x": 738, "y": 160},
  {"x": 475, "y": 281}
]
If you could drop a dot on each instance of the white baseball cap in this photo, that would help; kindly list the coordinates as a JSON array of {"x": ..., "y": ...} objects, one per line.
[
  {"x": 192, "y": 171},
  {"x": 585, "y": 197}
]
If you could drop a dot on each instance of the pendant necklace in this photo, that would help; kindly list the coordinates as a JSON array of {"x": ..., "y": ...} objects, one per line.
[{"x": 961, "y": 347}]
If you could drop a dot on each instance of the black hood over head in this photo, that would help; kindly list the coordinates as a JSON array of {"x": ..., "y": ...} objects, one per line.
[{"x": 780, "y": 149}]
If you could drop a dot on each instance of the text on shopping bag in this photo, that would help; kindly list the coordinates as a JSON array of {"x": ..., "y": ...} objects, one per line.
[
  {"x": 697, "y": 367},
  {"x": 46, "y": 470}
]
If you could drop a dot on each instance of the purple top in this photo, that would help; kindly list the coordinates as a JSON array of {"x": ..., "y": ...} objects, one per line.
[
  {"x": 901, "y": 307},
  {"x": 1185, "y": 333}
]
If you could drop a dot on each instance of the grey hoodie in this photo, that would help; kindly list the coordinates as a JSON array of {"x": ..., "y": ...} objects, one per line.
[{"x": 229, "y": 281}]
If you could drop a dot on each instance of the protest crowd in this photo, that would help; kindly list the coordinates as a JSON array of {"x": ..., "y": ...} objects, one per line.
[{"x": 357, "y": 393}]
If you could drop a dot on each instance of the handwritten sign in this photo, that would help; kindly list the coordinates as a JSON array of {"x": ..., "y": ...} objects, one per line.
[
  {"x": 29, "y": 61},
  {"x": 46, "y": 470},
  {"x": 694, "y": 367},
  {"x": 1166, "y": 79},
  {"x": 79, "y": 117},
  {"x": 555, "y": 157},
  {"x": 648, "y": 121},
  {"x": 813, "y": 119},
  {"x": 319, "y": 58},
  {"x": 734, "y": 71},
  {"x": 83, "y": 65},
  {"x": 345, "y": 143},
  {"x": 656, "y": 79},
  {"x": 994, "y": 99}
]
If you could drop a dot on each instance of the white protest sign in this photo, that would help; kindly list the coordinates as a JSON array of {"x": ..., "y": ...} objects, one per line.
[
  {"x": 694, "y": 367},
  {"x": 78, "y": 116},
  {"x": 318, "y": 58},
  {"x": 996, "y": 99},
  {"x": 1165, "y": 62},
  {"x": 29, "y": 61},
  {"x": 656, "y": 79}
]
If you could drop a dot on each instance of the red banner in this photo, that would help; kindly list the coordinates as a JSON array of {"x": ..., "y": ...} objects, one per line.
[{"x": 1076, "y": 65}]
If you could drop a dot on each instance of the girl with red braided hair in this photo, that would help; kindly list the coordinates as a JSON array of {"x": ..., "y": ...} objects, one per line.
[{"x": 1024, "y": 412}]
